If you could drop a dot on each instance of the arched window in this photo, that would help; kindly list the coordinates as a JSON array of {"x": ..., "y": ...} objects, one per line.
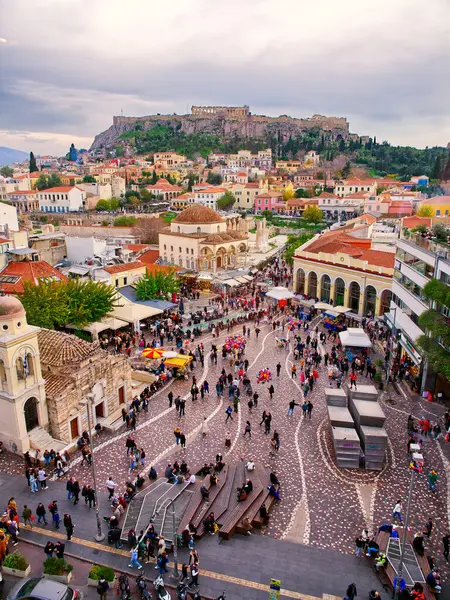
[
  {"x": 339, "y": 292},
  {"x": 312, "y": 285},
  {"x": 199, "y": 229},
  {"x": 300, "y": 281},
  {"x": 386, "y": 298},
  {"x": 20, "y": 369},
  {"x": 2, "y": 375},
  {"x": 370, "y": 298},
  {"x": 354, "y": 295},
  {"x": 326, "y": 288},
  {"x": 30, "y": 412}
]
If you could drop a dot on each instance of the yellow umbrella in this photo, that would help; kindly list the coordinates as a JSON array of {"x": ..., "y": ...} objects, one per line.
[{"x": 152, "y": 353}]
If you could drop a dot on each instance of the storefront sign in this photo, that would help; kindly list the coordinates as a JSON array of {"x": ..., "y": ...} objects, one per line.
[
  {"x": 275, "y": 587},
  {"x": 406, "y": 344}
]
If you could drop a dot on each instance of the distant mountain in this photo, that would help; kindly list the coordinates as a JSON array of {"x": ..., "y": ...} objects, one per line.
[{"x": 9, "y": 156}]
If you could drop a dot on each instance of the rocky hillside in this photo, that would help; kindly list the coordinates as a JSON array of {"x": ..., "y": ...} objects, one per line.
[{"x": 256, "y": 127}]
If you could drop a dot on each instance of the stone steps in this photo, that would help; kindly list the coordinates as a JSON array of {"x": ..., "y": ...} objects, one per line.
[{"x": 42, "y": 440}]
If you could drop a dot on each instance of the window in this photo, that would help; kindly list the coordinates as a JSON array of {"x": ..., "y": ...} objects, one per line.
[
  {"x": 117, "y": 283},
  {"x": 171, "y": 248},
  {"x": 179, "y": 249},
  {"x": 438, "y": 212},
  {"x": 125, "y": 279},
  {"x": 165, "y": 247}
]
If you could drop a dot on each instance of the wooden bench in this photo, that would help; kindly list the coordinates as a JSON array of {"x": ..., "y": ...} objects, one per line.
[
  {"x": 194, "y": 503},
  {"x": 253, "y": 511},
  {"x": 214, "y": 491},
  {"x": 221, "y": 501},
  {"x": 238, "y": 510},
  {"x": 269, "y": 501}
]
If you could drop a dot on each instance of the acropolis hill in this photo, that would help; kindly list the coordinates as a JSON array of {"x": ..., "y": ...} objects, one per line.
[{"x": 226, "y": 122}]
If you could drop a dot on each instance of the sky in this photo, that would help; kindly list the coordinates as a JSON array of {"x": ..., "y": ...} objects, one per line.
[{"x": 68, "y": 66}]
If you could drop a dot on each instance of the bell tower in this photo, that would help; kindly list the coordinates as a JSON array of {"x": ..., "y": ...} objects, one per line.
[{"x": 23, "y": 405}]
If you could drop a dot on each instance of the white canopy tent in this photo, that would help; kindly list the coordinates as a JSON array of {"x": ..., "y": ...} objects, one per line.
[
  {"x": 132, "y": 312},
  {"x": 355, "y": 337},
  {"x": 341, "y": 310},
  {"x": 323, "y": 306},
  {"x": 280, "y": 293}
]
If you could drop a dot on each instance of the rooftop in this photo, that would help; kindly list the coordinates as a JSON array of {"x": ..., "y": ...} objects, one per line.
[
  {"x": 33, "y": 271},
  {"x": 198, "y": 214},
  {"x": 59, "y": 349},
  {"x": 113, "y": 269}
]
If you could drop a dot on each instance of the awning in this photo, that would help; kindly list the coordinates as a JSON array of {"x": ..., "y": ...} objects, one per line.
[
  {"x": 322, "y": 306},
  {"x": 180, "y": 361},
  {"x": 79, "y": 270},
  {"x": 132, "y": 312},
  {"x": 103, "y": 325},
  {"x": 241, "y": 279},
  {"x": 231, "y": 282},
  {"x": 280, "y": 293},
  {"x": 356, "y": 337},
  {"x": 331, "y": 313},
  {"x": 129, "y": 292},
  {"x": 341, "y": 309}
]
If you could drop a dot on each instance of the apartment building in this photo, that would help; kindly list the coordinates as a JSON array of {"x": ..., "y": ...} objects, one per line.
[{"x": 417, "y": 261}]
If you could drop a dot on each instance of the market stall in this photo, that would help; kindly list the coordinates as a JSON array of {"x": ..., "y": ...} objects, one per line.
[{"x": 355, "y": 340}]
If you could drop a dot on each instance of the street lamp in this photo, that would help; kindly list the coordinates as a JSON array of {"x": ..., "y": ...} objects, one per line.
[
  {"x": 99, "y": 536},
  {"x": 414, "y": 466}
]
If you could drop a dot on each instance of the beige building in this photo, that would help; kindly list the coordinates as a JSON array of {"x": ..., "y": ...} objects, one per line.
[
  {"x": 245, "y": 193},
  {"x": 44, "y": 378},
  {"x": 350, "y": 186},
  {"x": 202, "y": 240},
  {"x": 25, "y": 201},
  {"x": 342, "y": 269}
]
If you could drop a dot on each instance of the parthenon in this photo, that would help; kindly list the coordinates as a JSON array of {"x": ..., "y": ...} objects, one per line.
[{"x": 228, "y": 111}]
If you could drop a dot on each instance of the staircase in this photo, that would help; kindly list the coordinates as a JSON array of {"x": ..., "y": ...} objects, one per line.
[{"x": 39, "y": 438}]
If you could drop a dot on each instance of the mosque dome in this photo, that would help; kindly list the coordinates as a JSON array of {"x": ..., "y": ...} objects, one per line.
[
  {"x": 198, "y": 213},
  {"x": 10, "y": 307}
]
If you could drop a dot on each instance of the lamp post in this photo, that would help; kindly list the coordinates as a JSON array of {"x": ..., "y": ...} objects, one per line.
[
  {"x": 405, "y": 532},
  {"x": 99, "y": 536}
]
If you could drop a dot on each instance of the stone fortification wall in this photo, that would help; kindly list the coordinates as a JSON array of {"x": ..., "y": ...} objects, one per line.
[{"x": 225, "y": 122}]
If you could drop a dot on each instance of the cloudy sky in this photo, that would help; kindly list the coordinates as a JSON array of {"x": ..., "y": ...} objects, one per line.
[{"x": 68, "y": 66}]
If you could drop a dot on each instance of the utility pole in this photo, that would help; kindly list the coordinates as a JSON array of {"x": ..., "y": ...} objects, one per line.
[{"x": 99, "y": 536}]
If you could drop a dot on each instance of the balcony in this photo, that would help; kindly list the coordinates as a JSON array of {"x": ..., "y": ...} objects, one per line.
[{"x": 432, "y": 246}]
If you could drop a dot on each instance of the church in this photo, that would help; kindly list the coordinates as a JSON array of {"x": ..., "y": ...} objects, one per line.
[
  {"x": 47, "y": 376},
  {"x": 201, "y": 239}
]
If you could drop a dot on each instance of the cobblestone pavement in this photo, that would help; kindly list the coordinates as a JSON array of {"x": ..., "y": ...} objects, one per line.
[{"x": 322, "y": 505}]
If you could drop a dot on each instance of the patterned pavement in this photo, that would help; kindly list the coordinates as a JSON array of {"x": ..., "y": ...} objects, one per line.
[{"x": 332, "y": 505}]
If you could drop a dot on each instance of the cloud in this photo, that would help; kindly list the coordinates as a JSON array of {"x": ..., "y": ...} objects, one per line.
[{"x": 74, "y": 63}]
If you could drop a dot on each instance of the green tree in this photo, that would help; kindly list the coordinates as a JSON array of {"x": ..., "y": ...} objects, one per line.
[
  {"x": 33, "y": 165},
  {"x": 313, "y": 214},
  {"x": 435, "y": 343},
  {"x": 125, "y": 221},
  {"x": 89, "y": 179},
  {"x": 342, "y": 146},
  {"x": 437, "y": 168},
  {"x": 346, "y": 171},
  {"x": 108, "y": 205},
  {"x": 146, "y": 196},
  {"x": 426, "y": 210},
  {"x": 294, "y": 242},
  {"x": 301, "y": 193},
  {"x": 214, "y": 178},
  {"x": 54, "y": 304},
  {"x": 45, "y": 182},
  {"x": 154, "y": 177},
  {"x": 226, "y": 201},
  {"x": 6, "y": 171},
  {"x": 119, "y": 151},
  {"x": 192, "y": 180},
  {"x": 161, "y": 284}
]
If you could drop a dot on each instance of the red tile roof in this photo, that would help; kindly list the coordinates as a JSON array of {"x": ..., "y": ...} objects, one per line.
[
  {"x": 135, "y": 247},
  {"x": 60, "y": 189},
  {"x": 338, "y": 241},
  {"x": 149, "y": 257},
  {"x": 28, "y": 271},
  {"x": 113, "y": 269},
  {"x": 21, "y": 192}
]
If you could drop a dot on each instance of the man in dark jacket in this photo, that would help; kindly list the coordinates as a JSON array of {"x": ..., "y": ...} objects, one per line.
[{"x": 102, "y": 588}]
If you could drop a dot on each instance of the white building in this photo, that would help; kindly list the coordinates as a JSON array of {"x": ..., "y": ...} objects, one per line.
[
  {"x": 209, "y": 196},
  {"x": 62, "y": 199},
  {"x": 350, "y": 186},
  {"x": 42, "y": 161},
  {"x": 8, "y": 218}
]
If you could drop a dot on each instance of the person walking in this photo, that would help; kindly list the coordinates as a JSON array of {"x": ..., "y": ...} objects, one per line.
[
  {"x": 446, "y": 543},
  {"x": 176, "y": 433},
  {"x": 267, "y": 422},
  {"x": 309, "y": 408},
  {"x": 292, "y": 405},
  {"x": 353, "y": 379},
  {"x": 229, "y": 413},
  {"x": 27, "y": 516},
  {"x": 428, "y": 527},
  {"x": 294, "y": 371},
  {"x": 42, "y": 478},
  {"x": 49, "y": 549},
  {"x": 102, "y": 588},
  {"x": 76, "y": 492},
  {"x": 194, "y": 575},
  {"x": 134, "y": 559},
  {"x": 41, "y": 513},
  {"x": 278, "y": 369},
  {"x": 182, "y": 407},
  {"x": 67, "y": 522},
  {"x": 33, "y": 483},
  {"x": 110, "y": 486},
  {"x": 351, "y": 592},
  {"x": 271, "y": 391},
  {"x": 170, "y": 396},
  {"x": 397, "y": 512},
  {"x": 248, "y": 429},
  {"x": 59, "y": 549}
]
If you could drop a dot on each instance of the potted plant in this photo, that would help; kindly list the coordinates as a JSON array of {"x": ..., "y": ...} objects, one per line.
[
  {"x": 58, "y": 569},
  {"x": 99, "y": 571},
  {"x": 16, "y": 564}
]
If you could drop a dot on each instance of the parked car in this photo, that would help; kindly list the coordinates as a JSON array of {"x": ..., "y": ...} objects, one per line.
[{"x": 40, "y": 588}]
